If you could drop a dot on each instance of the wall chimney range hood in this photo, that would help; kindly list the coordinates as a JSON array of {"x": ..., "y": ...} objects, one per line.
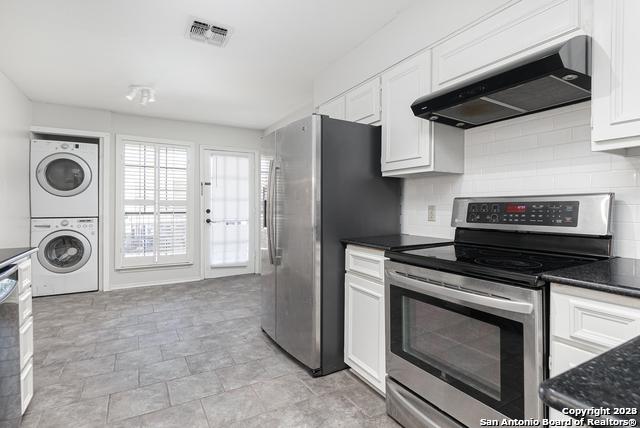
[{"x": 553, "y": 78}]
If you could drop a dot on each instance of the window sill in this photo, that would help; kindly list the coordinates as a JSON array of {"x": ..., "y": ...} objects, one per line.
[{"x": 153, "y": 266}]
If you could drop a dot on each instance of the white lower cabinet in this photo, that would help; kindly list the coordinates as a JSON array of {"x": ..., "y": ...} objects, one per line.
[
  {"x": 364, "y": 328},
  {"x": 586, "y": 323},
  {"x": 26, "y": 385},
  {"x": 26, "y": 332}
]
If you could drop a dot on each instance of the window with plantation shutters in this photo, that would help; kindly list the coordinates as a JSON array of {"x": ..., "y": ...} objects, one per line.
[{"x": 154, "y": 202}]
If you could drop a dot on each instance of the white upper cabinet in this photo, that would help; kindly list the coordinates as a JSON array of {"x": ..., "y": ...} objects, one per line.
[
  {"x": 363, "y": 102},
  {"x": 615, "y": 104},
  {"x": 409, "y": 143},
  {"x": 334, "y": 108},
  {"x": 508, "y": 36},
  {"x": 405, "y": 138}
]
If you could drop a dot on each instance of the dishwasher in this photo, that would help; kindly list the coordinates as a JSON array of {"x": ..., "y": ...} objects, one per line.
[{"x": 10, "y": 396}]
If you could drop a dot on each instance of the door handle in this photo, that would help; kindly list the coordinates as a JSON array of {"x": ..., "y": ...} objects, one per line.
[
  {"x": 269, "y": 212},
  {"x": 274, "y": 202},
  {"x": 446, "y": 293},
  {"x": 208, "y": 220},
  {"x": 208, "y": 211}
]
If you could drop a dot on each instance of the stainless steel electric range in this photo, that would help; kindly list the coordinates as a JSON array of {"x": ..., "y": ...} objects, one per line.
[{"x": 466, "y": 323}]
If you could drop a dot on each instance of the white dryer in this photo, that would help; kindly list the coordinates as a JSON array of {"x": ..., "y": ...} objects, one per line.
[
  {"x": 67, "y": 257},
  {"x": 64, "y": 179}
]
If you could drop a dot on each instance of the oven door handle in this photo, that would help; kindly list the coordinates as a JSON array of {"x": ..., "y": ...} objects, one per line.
[{"x": 446, "y": 293}]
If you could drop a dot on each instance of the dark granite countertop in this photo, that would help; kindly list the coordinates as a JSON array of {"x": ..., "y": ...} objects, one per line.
[
  {"x": 610, "y": 380},
  {"x": 616, "y": 275},
  {"x": 11, "y": 255},
  {"x": 396, "y": 242}
]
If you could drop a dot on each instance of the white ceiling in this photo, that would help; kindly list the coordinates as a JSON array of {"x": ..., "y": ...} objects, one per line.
[{"x": 87, "y": 52}]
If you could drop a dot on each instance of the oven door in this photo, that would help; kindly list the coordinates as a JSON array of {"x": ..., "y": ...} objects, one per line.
[{"x": 472, "y": 348}]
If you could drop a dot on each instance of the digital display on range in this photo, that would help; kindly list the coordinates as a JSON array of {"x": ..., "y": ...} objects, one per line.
[
  {"x": 515, "y": 208},
  {"x": 552, "y": 213}
]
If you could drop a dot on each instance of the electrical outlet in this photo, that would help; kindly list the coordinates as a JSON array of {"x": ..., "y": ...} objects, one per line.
[{"x": 431, "y": 213}]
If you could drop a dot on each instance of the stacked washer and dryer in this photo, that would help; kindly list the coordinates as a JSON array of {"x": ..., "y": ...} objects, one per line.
[{"x": 64, "y": 216}]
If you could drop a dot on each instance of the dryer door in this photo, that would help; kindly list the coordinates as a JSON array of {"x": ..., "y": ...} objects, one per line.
[
  {"x": 63, "y": 174},
  {"x": 64, "y": 251}
]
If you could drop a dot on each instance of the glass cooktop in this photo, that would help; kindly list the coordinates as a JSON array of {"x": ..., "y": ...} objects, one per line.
[{"x": 496, "y": 263}]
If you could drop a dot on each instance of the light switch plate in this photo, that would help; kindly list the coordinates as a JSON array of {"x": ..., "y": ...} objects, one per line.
[{"x": 431, "y": 213}]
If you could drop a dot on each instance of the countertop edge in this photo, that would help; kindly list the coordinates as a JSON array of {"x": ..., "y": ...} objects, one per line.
[
  {"x": 560, "y": 401},
  {"x": 17, "y": 257},
  {"x": 598, "y": 286}
]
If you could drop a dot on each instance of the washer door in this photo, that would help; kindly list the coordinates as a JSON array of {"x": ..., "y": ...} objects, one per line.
[
  {"x": 63, "y": 174},
  {"x": 64, "y": 251}
]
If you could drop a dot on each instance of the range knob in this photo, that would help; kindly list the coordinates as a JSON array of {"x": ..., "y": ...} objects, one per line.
[{"x": 494, "y": 218}]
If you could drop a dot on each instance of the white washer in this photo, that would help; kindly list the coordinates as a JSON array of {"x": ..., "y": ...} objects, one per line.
[
  {"x": 64, "y": 179},
  {"x": 67, "y": 257}
]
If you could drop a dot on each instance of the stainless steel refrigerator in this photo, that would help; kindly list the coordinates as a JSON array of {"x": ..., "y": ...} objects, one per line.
[{"x": 321, "y": 182}]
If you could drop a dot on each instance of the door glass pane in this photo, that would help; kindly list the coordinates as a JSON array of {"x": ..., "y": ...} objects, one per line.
[
  {"x": 229, "y": 199},
  {"x": 64, "y": 174},
  {"x": 64, "y": 251},
  {"x": 463, "y": 347}
]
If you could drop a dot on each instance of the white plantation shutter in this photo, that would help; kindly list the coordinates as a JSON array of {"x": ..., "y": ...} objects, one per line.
[{"x": 154, "y": 201}]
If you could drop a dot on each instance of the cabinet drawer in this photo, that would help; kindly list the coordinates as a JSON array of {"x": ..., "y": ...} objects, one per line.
[
  {"x": 596, "y": 319},
  {"x": 24, "y": 275},
  {"x": 365, "y": 263},
  {"x": 26, "y": 342},
  {"x": 26, "y": 385},
  {"x": 25, "y": 306}
]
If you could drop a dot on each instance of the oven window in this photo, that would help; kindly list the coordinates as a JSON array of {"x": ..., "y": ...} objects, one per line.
[{"x": 476, "y": 352}]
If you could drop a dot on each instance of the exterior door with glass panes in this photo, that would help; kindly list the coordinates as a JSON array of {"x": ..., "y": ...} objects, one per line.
[{"x": 228, "y": 193}]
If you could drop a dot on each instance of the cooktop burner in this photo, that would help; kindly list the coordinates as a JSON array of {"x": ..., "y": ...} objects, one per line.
[{"x": 510, "y": 265}]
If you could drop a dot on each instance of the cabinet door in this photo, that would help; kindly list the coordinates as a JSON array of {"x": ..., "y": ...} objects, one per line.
[
  {"x": 364, "y": 346},
  {"x": 26, "y": 342},
  {"x": 363, "y": 102},
  {"x": 334, "y": 108},
  {"x": 505, "y": 37},
  {"x": 616, "y": 66},
  {"x": 26, "y": 385},
  {"x": 405, "y": 138},
  {"x": 563, "y": 358}
]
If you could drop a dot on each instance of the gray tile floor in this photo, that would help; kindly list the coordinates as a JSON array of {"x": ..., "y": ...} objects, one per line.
[{"x": 187, "y": 355}]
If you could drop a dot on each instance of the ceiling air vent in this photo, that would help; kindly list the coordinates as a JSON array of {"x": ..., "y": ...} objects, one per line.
[{"x": 202, "y": 31}]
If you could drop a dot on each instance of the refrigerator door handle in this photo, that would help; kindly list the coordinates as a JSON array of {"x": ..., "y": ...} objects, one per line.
[
  {"x": 269, "y": 211},
  {"x": 274, "y": 202}
]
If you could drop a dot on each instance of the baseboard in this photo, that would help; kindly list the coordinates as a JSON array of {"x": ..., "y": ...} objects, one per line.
[{"x": 153, "y": 283}]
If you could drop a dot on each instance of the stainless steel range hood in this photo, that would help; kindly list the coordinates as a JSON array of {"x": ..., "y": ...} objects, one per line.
[{"x": 555, "y": 77}]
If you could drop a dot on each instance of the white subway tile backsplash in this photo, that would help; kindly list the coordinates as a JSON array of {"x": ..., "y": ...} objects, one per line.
[
  {"x": 554, "y": 138},
  {"x": 614, "y": 179},
  {"x": 572, "y": 150},
  {"x": 505, "y": 132},
  {"x": 546, "y": 153}
]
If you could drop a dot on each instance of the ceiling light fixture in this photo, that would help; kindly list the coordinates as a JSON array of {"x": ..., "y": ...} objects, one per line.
[{"x": 147, "y": 94}]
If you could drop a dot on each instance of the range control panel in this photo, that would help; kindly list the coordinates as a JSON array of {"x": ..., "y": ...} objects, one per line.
[{"x": 563, "y": 213}]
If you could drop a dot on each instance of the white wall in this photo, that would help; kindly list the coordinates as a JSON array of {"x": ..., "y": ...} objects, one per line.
[
  {"x": 414, "y": 29},
  {"x": 115, "y": 123},
  {"x": 545, "y": 153},
  {"x": 15, "y": 119},
  {"x": 300, "y": 113}
]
